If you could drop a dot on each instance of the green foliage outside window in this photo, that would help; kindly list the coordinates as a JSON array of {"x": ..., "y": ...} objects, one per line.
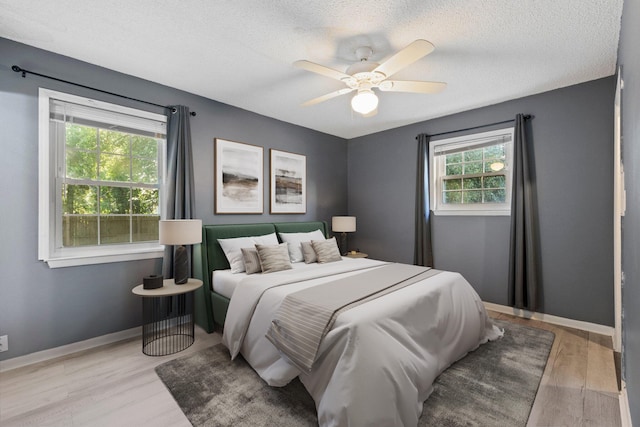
[
  {"x": 110, "y": 192},
  {"x": 475, "y": 176}
]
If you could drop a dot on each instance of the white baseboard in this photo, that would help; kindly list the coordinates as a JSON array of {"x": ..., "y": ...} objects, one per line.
[
  {"x": 65, "y": 350},
  {"x": 549, "y": 318},
  {"x": 625, "y": 410}
]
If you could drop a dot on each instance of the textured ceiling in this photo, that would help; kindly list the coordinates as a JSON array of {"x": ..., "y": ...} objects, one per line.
[{"x": 241, "y": 52}]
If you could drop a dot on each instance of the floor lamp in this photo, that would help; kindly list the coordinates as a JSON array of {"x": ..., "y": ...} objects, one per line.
[{"x": 344, "y": 225}]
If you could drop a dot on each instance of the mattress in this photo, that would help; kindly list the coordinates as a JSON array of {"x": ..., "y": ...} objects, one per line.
[{"x": 225, "y": 282}]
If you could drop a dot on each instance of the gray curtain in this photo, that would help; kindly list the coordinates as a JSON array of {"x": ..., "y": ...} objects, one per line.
[
  {"x": 179, "y": 195},
  {"x": 423, "y": 253},
  {"x": 523, "y": 253}
]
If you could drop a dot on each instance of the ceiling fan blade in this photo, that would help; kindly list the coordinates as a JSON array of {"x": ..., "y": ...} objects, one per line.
[
  {"x": 326, "y": 97},
  {"x": 412, "y": 86},
  {"x": 321, "y": 69},
  {"x": 406, "y": 56}
]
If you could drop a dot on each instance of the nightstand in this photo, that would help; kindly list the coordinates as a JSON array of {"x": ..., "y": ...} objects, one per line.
[
  {"x": 356, "y": 255},
  {"x": 167, "y": 314}
]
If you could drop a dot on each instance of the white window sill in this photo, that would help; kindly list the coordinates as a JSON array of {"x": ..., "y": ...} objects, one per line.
[
  {"x": 471, "y": 213},
  {"x": 76, "y": 260}
]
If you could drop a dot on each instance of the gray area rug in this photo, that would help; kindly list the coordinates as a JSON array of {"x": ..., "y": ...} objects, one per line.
[{"x": 492, "y": 386}]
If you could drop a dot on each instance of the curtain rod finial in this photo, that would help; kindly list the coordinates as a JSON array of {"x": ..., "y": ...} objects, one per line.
[{"x": 18, "y": 69}]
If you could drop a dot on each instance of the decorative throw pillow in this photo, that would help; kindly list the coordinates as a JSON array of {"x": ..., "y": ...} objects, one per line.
[
  {"x": 326, "y": 250},
  {"x": 232, "y": 248},
  {"x": 308, "y": 253},
  {"x": 273, "y": 257},
  {"x": 251, "y": 260},
  {"x": 295, "y": 239}
]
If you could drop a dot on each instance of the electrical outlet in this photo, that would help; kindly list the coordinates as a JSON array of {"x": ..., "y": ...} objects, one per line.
[{"x": 4, "y": 343}]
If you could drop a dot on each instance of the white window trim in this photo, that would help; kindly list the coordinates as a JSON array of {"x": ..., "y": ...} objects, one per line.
[
  {"x": 435, "y": 182},
  {"x": 47, "y": 202}
]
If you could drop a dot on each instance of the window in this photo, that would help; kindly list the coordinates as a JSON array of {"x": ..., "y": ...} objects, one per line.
[
  {"x": 471, "y": 175},
  {"x": 101, "y": 175}
]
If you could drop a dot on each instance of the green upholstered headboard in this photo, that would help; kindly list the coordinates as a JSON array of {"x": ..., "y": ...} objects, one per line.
[
  {"x": 301, "y": 227},
  {"x": 208, "y": 256},
  {"x": 216, "y": 259}
]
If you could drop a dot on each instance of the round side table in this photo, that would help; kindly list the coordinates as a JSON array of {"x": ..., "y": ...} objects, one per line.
[{"x": 168, "y": 321}]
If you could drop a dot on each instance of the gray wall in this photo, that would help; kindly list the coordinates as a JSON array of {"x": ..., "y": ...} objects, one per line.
[
  {"x": 629, "y": 59},
  {"x": 572, "y": 136},
  {"x": 42, "y": 308}
]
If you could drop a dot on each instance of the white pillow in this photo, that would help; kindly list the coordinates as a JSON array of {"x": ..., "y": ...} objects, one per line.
[
  {"x": 294, "y": 239},
  {"x": 267, "y": 239},
  {"x": 232, "y": 248}
]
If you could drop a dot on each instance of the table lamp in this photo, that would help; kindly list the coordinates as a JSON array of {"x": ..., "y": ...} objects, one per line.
[
  {"x": 344, "y": 225},
  {"x": 180, "y": 232}
]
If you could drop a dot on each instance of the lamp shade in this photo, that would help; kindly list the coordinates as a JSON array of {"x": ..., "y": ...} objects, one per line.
[
  {"x": 343, "y": 224},
  {"x": 180, "y": 231}
]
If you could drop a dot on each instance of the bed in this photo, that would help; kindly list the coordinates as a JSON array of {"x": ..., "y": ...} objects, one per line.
[
  {"x": 211, "y": 306},
  {"x": 377, "y": 363}
]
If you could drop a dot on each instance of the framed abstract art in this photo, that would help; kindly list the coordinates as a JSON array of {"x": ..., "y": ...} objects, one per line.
[
  {"x": 288, "y": 187},
  {"x": 239, "y": 185}
]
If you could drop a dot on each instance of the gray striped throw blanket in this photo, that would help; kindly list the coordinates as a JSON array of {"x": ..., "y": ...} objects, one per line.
[{"x": 306, "y": 316}]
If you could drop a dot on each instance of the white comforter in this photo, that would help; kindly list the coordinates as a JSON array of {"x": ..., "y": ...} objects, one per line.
[{"x": 378, "y": 363}]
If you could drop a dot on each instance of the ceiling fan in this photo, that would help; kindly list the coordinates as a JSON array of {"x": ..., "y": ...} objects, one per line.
[{"x": 365, "y": 75}]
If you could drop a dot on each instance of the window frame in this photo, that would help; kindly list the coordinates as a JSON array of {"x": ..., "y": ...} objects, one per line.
[
  {"x": 49, "y": 209},
  {"x": 461, "y": 144}
]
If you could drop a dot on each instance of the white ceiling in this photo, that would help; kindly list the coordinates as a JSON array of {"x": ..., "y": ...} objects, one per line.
[{"x": 241, "y": 52}]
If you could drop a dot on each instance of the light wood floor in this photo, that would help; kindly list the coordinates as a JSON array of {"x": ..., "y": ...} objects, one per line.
[
  {"x": 115, "y": 385},
  {"x": 579, "y": 386}
]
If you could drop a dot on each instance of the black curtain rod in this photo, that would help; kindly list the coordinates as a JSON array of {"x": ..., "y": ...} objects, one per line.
[
  {"x": 526, "y": 117},
  {"x": 25, "y": 72}
]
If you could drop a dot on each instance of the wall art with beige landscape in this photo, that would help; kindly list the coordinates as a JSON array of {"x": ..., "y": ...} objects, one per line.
[{"x": 239, "y": 177}]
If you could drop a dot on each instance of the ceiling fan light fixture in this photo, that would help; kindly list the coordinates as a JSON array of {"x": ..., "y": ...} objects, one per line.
[{"x": 364, "y": 102}]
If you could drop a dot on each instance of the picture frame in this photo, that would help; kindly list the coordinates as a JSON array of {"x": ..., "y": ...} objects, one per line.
[
  {"x": 239, "y": 177},
  {"x": 288, "y": 182}
]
